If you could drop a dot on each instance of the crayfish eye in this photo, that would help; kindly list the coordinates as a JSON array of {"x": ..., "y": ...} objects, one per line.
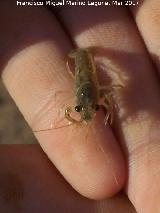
[
  {"x": 97, "y": 107},
  {"x": 78, "y": 108}
]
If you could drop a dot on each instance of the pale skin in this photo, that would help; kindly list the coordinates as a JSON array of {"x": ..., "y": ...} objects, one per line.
[{"x": 33, "y": 64}]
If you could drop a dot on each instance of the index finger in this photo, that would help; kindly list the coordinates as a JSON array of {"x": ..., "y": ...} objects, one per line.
[{"x": 35, "y": 68}]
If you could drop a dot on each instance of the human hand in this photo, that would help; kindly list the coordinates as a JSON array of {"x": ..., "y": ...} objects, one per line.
[
  {"x": 29, "y": 182},
  {"x": 37, "y": 66}
]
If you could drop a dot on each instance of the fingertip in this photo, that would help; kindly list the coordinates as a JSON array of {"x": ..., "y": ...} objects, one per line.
[{"x": 93, "y": 165}]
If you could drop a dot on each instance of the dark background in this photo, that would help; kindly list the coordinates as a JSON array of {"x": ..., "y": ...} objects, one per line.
[{"x": 13, "y": 128}]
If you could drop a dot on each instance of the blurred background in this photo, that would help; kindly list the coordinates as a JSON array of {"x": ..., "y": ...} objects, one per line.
[{"x": 13, "y": 127}]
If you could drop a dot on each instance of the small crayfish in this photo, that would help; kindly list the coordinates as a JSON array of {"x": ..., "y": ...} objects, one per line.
[{"x": 89, "y": 94}]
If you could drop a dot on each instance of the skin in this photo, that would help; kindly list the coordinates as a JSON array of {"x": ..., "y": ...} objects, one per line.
[
  {"x": 33, "y": 183},
  {"x": 33, "y": 52}
]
